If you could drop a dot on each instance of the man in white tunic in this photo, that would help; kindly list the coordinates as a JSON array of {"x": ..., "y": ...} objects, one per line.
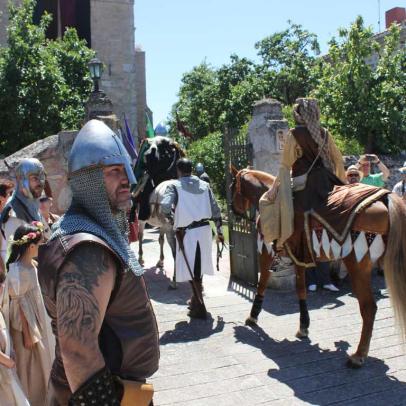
[{"x": 190, "y": 203}]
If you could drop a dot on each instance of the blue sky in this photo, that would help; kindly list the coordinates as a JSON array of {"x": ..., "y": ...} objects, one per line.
[{"x": 179, "y": 34}]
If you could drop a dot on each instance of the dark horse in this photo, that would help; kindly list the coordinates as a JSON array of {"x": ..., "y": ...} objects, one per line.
[
  {"x": 247, "y": 188},
  {"x": 156, "y": 165}
]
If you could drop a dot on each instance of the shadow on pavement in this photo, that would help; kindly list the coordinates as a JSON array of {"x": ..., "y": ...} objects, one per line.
[
  {"x": 159, "y": 287},
  {"x": 193, "y": 330},
  {"x": 280, "y": 303},
  {"x": 319, "y": 376}
]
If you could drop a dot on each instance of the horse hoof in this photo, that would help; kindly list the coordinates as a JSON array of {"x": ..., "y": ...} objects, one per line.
[
  {"x": 355, "y": 361},
  {"x": 160, "y": 264},
  {"x": 302, "y": 333},
  {"x": 251, "y": 322}
]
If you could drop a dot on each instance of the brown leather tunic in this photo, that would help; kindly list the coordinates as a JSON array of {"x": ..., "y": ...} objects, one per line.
[{"x": 128, "y": 338}]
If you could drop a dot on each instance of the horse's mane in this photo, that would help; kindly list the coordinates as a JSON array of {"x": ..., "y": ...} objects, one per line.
[{"x": 263, "y": 177}]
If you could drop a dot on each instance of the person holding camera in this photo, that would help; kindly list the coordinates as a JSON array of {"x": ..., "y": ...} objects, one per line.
[
  {"x": 373, "y": 179},
  {"x": 400, "y": 187}
]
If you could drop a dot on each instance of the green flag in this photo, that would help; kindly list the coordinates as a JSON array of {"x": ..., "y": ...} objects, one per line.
[{"x": 149, "y": 127}]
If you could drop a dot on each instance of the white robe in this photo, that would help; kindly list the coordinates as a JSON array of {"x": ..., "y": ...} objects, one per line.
[
  {"x": 203, "y": 236},
  {"x": 190, "y": 208}
]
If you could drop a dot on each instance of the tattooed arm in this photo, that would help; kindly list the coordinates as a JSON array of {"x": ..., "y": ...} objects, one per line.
[{"x": 84, "y": 288}]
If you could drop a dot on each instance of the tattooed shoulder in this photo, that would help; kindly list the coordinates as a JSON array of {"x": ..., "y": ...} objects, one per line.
[{"x": 77, "y": 307}]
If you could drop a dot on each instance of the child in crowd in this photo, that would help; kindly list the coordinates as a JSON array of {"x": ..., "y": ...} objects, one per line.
[
  {"x": 11, "y": 393},
  {"x": 29, "y": 325}
]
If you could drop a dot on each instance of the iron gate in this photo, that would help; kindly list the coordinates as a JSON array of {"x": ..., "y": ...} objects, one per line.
[{"x": 242, "y": 232}]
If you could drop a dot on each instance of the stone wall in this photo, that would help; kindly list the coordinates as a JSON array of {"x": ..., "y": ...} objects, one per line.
[
  {"x": 141, "y": 90},
  {"x": 112, "y": 33},
  {"x": 53, "y": 152}
]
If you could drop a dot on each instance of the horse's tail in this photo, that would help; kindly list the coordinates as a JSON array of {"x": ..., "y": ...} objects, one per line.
[{"x": 395, "y": 259}]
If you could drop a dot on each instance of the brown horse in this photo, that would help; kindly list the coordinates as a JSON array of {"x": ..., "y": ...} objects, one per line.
[{"x": 247, "y": 188}]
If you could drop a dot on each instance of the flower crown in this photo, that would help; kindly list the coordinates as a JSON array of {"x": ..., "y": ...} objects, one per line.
[{"x": 30, "y": 236}]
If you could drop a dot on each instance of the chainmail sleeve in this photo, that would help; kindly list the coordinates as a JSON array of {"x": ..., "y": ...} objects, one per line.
[
  {"x": 169, "y": 201},
  {"x": 216, "y": 212}
]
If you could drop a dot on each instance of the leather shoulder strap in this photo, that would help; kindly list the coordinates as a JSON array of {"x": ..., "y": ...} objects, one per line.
[{"x": 70, "y": 242}]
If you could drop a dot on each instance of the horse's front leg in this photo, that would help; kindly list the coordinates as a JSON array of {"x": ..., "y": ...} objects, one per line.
[
  {"x": 301, "y": 292},
  {"x": 170, "y": 237},
  {"x": 360, "y": 274},
  {"x": 265, "y": 261},
  {"x": 161, "y": 239},
  {"x": 141, "y": 226}
]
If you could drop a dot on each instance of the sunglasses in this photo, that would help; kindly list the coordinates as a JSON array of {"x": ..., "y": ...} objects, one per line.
[{"x": 353, "y": 176}]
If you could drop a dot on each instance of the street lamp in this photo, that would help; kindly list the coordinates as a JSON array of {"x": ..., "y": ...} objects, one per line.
[{"x": 96, "y": 70}]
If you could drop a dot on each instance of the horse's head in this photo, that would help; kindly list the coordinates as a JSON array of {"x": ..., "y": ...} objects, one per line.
[
  {"x": 246, "y": 189},
  {"x": 160, "y": 158},
  {"x": 239, "y": 202}
]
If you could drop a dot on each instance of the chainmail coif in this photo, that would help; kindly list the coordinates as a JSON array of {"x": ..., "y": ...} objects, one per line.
[{"x": 90, "y": 212}]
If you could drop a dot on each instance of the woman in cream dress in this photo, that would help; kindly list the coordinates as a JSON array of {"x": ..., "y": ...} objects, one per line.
[
  {"x": 11, "y": 393},
  {"x": 29, "y": 325}
]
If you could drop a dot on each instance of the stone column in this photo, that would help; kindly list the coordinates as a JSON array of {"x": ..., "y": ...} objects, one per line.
[
  {"x": 100, "y": 107},
  {"x": 267, "y": 132}
]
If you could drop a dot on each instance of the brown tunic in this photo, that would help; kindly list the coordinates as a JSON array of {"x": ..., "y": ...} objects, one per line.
[{"x": 128, "y": 338}]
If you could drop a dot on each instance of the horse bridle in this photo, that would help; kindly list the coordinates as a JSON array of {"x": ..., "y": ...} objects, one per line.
[{"x": 238, "y": 178}]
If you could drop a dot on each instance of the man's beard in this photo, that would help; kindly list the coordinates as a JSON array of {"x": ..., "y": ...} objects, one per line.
[
  {"x": 119, "y": 205},
  {"x": 36, "y": 193}
]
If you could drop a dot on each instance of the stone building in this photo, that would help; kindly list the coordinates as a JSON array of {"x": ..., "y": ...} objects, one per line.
[
  {"x": 395, "y": 15},
  {"x": 108, "y": 27},
  {"x": 140, "y": 86}
]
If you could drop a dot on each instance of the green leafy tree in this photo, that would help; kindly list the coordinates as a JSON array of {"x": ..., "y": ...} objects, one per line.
[
  {"x": 42, "y": 83},
  {"x": 198, "y": 101},
  {"x": 360, "y": 102},
  {"x": 73, "y": 57},
  {"x": 210, "y": 99},
  {"x": 240, "y": 85},
  {"x": 288, "y": 58},
  {"x": 209, "y": 150}
]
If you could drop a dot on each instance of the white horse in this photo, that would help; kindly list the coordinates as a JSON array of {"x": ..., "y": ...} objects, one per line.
[{"x": 157, "y": 219}]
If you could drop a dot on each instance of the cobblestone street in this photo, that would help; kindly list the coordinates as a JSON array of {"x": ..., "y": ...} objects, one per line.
[{"x": 222, "y": 362}]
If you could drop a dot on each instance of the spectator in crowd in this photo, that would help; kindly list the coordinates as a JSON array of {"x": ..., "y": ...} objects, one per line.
[
  {"x": 353, "y": 175},
  {"x": 11, "y": 392},
  {"x": 6, "y": 190},
  {"x": 373, "y": 179},
  {"x": 320, "y": 276},
  {"x": 30, "y": 329},
  {"x": 400, "y": 187},
  {"x": 45, "y": 204}
]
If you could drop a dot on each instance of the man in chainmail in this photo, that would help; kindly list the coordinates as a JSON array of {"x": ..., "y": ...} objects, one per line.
[
  {"x": 190, "y": 204},
  {"x": 23, "y": 207},
  {"x": 201, "y": 173},
  {"x": 94, "y": 291}
]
